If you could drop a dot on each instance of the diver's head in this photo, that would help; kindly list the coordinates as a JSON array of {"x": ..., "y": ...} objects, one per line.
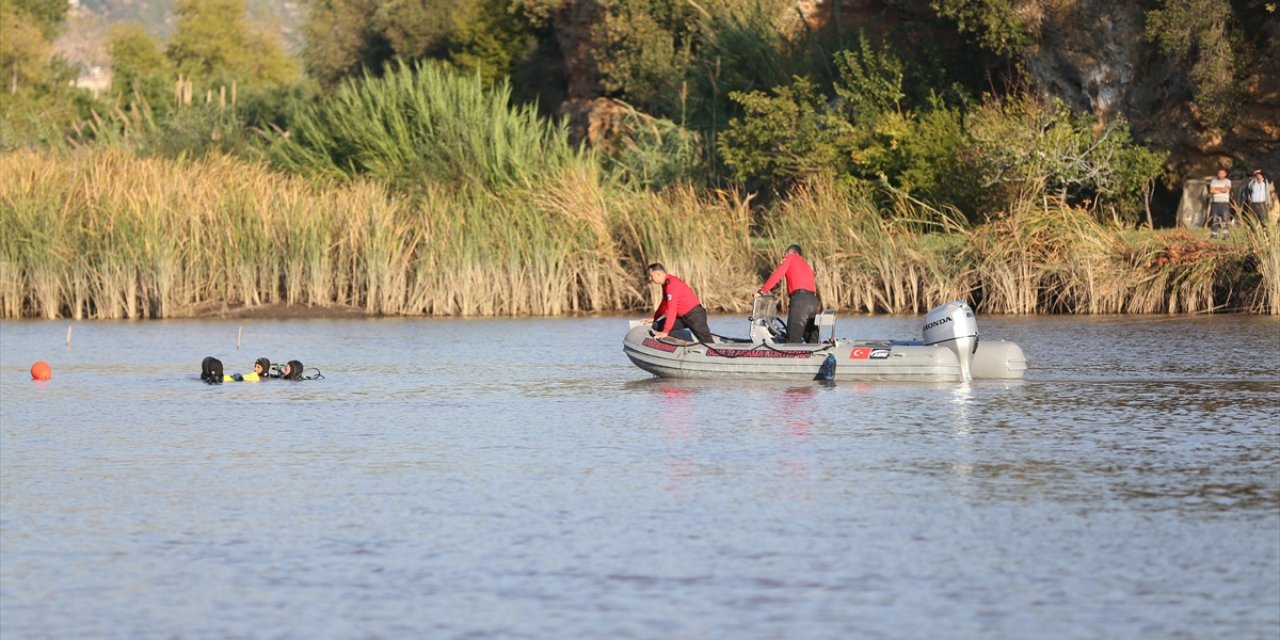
[
  {"x": 262, "y": 367},
  {"x": 211, "y": 369},
  {"x": 293, "y": 370}
]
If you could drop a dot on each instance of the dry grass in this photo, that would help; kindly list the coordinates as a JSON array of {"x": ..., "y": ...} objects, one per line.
[{"x": 864, "y": 259}]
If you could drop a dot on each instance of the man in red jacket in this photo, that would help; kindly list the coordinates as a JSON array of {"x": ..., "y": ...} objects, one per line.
[
  {"x": 680, "y": 306},
  {"x": 804, "y": 295}
]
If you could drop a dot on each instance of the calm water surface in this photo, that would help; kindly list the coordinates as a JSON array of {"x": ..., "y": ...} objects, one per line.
[{"x": 521, "y": 479}]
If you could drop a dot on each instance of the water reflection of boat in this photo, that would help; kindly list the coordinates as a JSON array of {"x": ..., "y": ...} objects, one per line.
[{"x": 950, "y": 351}]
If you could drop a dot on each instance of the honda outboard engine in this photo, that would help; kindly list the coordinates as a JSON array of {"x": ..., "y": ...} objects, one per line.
[{"x": 953, "y": 326}]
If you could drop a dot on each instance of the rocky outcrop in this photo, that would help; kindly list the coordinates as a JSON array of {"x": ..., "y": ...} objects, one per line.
[{"x": 1095, "y": 55}]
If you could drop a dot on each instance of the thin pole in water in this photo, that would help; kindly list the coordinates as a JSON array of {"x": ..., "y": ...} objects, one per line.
[
  {"x": 239, "y": 331},
  {"x": 68, "y": 335}
]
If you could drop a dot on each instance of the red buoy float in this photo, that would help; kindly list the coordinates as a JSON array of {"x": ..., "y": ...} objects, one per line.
[{"x": 41, "y": 371}]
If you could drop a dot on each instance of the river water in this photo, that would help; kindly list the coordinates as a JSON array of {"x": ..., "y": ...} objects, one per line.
[{"x": 521, "y": 479}]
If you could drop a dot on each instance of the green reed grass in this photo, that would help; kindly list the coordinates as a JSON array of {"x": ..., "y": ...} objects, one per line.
[{"x": 426, "y": 122}]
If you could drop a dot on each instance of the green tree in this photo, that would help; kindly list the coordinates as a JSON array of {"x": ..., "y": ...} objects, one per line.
[
  {"x": 340, "y": 40},
  {"x": 910, "y": 142},
  {"x": 214, "y": 42},
  {"x": 349, "y": 37},
  {"x": 497, "y": 41},
  {"x": 870, "y": 81},
  {"x": 998, "y": 25},
  {"x": 24, "y": 49},
  {"x": 644, "y": 53},
  {"x": 1026, "y": 150},
  {"x": 46, "y": 15},
  {"x": 140, "y": 70},
  {"x": 38, "y": 105},
  {"x": 1202, "y": 32},
  {"x": 784, "y": 138}
]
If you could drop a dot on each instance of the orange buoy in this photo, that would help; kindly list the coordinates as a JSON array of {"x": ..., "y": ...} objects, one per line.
[{"x": 41, "y": 371}]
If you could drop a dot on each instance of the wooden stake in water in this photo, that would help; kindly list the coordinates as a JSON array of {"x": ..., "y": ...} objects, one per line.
[
  {"x": 68, "y": 335},
  {"x": 239, "y": 331}
]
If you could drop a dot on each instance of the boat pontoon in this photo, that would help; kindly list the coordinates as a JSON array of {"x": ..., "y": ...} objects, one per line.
[{"x": 950, "y": 351}]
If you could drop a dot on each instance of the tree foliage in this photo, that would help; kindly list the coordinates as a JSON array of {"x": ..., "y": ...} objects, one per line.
[
  {"x": 987, "y": 159},
  {"x": 870, "y": 80},
  {"x": 46, "y": 15},
  {"x": 24, "y": 49},
  {"x": 1202, "y": 32},
  {"x": 1026, "y": 147},
  {"x": 340, "y": 40},
  {"x": 644, "y": 52},
  {"x": 141, "y": 73},
  {"x": 213, "y": 41},
  {"x": 37, "y": 103},
  {"x": 999, "y": 25},
  {"x": 784, "y": 138},
  {"x": 346, "y": 38}
]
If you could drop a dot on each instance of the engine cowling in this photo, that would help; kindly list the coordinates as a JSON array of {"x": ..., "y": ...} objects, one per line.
[{"x": 953, "y": 326}]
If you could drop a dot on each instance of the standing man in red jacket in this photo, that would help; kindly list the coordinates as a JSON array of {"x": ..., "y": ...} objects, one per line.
[
  {"x": 680, "y": 305},
  {"x": 804, "y": 295}
]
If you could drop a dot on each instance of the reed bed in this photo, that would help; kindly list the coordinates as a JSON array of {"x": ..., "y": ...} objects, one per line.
[
  {"x": 865, "y": 259},
  {"x": 426, "y": 122},
  {"x": 703, "y": 239},
  {"x": 105, "y": 234},
  {"x": 1061, "y": 260}
]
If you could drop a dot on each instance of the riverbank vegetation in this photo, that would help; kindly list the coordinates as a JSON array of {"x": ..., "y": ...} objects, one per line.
[
  {"x": 106, "y": 234},
  {"x": 434, "y": 182}
]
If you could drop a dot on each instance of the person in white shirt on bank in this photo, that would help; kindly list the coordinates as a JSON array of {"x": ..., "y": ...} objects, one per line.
[
  {"x": 1259, "y": 196},
  {"x": 1219, "y": 205}
]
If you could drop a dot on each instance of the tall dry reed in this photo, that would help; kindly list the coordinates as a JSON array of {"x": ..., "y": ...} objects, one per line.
[
  {"x": 105, "y": 234},
  {"x": 865, "y": 259},
  {"x": 703, "y": 239}
]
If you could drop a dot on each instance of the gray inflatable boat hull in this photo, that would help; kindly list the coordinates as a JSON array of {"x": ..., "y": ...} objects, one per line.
[{"x": 855, "y": 360}]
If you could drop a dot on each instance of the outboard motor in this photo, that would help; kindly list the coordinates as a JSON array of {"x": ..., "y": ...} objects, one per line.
[{"x": 953, "y": 326}]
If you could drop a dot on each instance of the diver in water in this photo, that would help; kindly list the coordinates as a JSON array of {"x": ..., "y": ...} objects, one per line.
[
  {"x": 292, "y": 370},
  {"x": 261, "y": 371},
  {"x": 211, "y": 371}
]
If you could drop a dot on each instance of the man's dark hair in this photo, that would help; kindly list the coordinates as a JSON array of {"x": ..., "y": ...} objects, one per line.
[
  {"x": 796, "y": 249},
  {"x": 657, "y": 266}
]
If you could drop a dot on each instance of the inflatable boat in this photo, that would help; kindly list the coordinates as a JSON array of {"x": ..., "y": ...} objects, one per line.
[{"x": 950, "y": 351}]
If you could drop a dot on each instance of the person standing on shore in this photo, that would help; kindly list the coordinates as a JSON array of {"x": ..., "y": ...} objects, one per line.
[
  {"x": 1259, "y": 196},
  {"x": 680, "y": 306},
  {"x": 1219, "y": 205},
  {"x": 803, "y": 292}
]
